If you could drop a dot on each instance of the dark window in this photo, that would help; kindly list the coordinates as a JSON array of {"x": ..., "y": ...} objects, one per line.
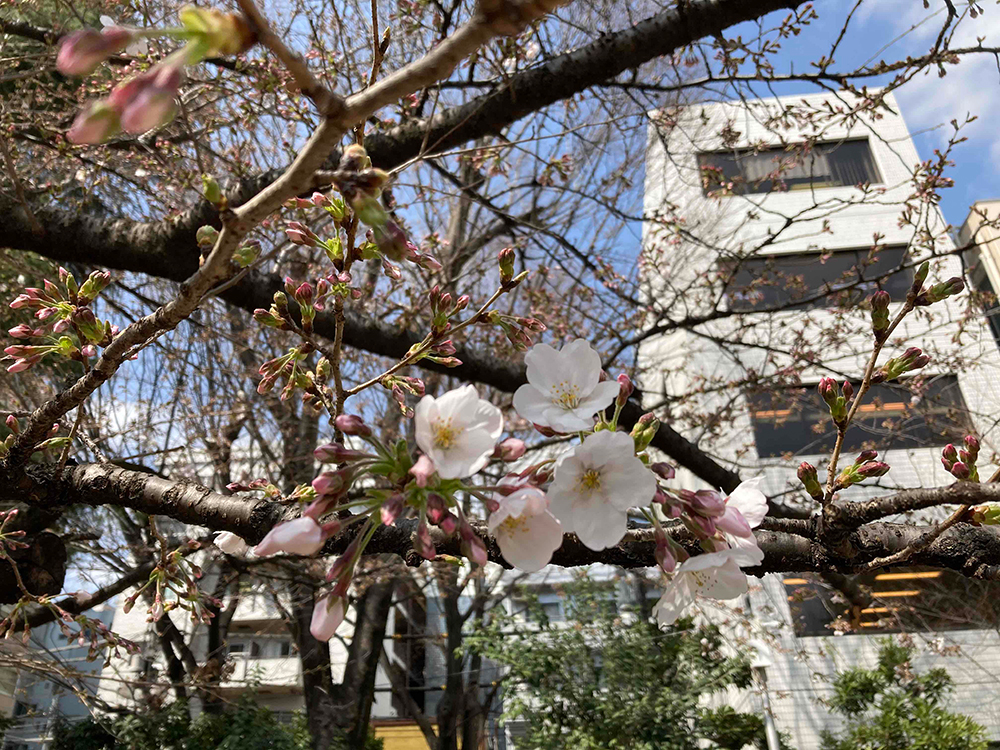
[
  {"x": 236, "y": 648},
  {"x": 285, "y": 648},
  {"x": 902, "y": 600},
  {"x": 795, "y": 167},
  {"x": 915, "y": 413},
  {"x": 991, "y": 308},
  {"x": 807, "y": 280},
  {"x": 254, "y": 649}
]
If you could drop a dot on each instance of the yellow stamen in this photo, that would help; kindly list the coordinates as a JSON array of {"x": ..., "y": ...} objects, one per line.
[
  {"x": 567, "y": 395},
  {"x": 514, "y": 525},
  {"x": 444, "y": 434},
  {"x": 591, "y": 480}
]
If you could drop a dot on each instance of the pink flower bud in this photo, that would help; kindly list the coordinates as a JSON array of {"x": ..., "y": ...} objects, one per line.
[
  {"x": 152, "y": 103},
  {"x": 448, "y": 524},
  {"x": 510, "y": 449},
  {"x": 437, "y": 508},
  {"x": 335, "y": 453},
  {"x": 664, "y": 554},
  {"x": 332, "y": 482},
  {"x": 95, "y": 124},
  {"x": 625, "y": 389},
  {"x": 22, "y": 331},
  {"x": 663, "y": 470},
  {"x": 700, "y": 525},
  {"x": 708, "y": 503},
  {"x": 351, "y": 424},
  {"x": 422, "y": 470},
  {"x": 960, "y": 470},
  {"x": 472, "y": 546},
  {"x": 423, "y": 543},
  {"x": 81, "y": 52},
  {"x": 392, "y": 509},
  {"x": 12, "y": 424},
  {"x": 328, "y": 614}
]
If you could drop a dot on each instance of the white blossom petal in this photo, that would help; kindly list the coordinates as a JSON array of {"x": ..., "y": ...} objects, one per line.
[
  {"x": 301, "y": 536},
  {"x": 601, "y": 528},
  {"x": 750, "y": 501},
  {"x": 677, "y": 597}
]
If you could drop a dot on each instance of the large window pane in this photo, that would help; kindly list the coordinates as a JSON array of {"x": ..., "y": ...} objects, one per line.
[
  {"x": 822, "y": 279},
  {"x": 912, "y": 414},
  {"x": 788, "y": 168},
  {"x": 902, "y": 600}
]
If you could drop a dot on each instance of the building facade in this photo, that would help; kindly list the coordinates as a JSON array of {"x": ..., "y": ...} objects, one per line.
[
  {"x": 743, "y": 218},
  {"x": 57, "y": 687}
]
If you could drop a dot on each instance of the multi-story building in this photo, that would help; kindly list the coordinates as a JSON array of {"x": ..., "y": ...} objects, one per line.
[
  {"x": 261, "y": 657},
  {"x": 757, "y": 224},
  {"x": 52, "y": 683}
]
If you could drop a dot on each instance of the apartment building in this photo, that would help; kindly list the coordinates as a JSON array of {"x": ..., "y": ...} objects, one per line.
[
  {"x": 767, "y": 229},
  {"x": 50, "y": 690},
  {"x": 262, "y": 658}
]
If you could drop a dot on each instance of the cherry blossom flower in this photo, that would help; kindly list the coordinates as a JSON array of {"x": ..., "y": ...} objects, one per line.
[
  {"x": 527, "y": 533},
  {"x": 564, "y": 389},
  {"x": 328, "y": 613},
  {"x": 596, "y": 484},
  {"x": 302, "y": 536},
  {"x": 457, "y": 431},
  {"x": 716, "y": 575},
  {"x": 231, "y": 544}
]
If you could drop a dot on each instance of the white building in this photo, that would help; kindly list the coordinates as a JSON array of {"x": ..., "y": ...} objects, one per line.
[
  {"x": 755, "y": 248},
  {"x": 55, "y": 683}
]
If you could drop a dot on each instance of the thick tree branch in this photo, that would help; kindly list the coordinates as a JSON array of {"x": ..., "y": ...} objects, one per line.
[{"x": 971, "y": 550}]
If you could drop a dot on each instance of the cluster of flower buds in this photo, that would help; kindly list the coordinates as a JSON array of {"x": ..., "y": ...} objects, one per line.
[
  {"x": 333, "y": 206},
  {"x": 172, "y": 585},
  {"x": 10, "y": 539},
  {"x": 147, "y": 100},
  {"x": 399, "y": 386},
  {"x": 292, "y": 368},
  {"x": 53, "y": 442},
  {"x": 910, "y": 360},
  {"x": 443, "y": 308},
  {"x": 836, "y": 398},
  {"x": 63, "y": 308},
  {"x": 361, "y": 185},
  {"x": 508, "y": 280},
  {"x": 864, "y": 467},
  {"x": 517, "y": 329},
  {"x": 810, "y": 480},
  {"x": 961, "y": 464},
  {"x": 880, "y": 314},
  {"x": 644, "y": 430}
]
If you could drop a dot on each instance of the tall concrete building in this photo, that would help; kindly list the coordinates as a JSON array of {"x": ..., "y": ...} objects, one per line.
[{"x": 741, "y": 218}]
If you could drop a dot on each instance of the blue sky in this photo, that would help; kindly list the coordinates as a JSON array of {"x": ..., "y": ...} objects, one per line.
[{"x": 891, "y": 30}]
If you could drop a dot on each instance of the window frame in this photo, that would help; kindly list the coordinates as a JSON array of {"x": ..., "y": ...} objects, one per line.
[
  {"x": 758, "y": 187},
  {"x": 946, "y": 387},
  {"x": 896, "y": 279}
]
